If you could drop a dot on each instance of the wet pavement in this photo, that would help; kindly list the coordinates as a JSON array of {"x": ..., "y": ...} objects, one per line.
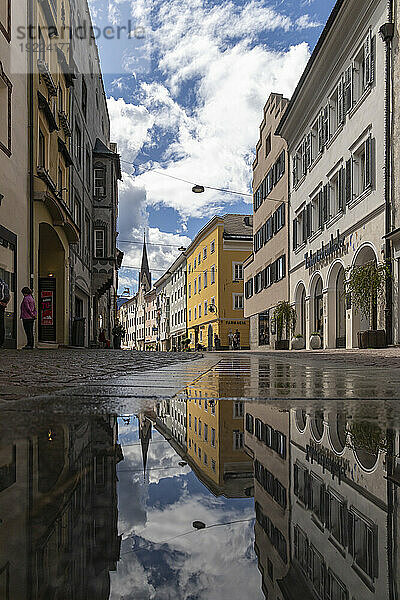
[{"x": 229, "y": 476}]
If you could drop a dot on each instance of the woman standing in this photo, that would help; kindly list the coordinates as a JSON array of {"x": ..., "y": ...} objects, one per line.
[{"x": 28, "y": 316}]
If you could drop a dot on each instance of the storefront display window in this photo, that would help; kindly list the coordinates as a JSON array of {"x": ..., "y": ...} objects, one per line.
[{"x": 263, "y": 328}]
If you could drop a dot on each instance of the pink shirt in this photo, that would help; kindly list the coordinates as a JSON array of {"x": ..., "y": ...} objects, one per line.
[{"x": 28, "y": 310}]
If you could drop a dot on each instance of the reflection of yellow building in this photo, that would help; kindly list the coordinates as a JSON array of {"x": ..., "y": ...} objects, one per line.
[
  {"x": 215, "y": 277},
  {"x": 55, "y": 218},
  {"x": 215, "y": 439}
]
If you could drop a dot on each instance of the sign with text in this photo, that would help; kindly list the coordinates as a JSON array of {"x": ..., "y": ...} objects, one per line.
[
  {"x": 47, "y": 308},
  {"x": 334, "y": 245}
]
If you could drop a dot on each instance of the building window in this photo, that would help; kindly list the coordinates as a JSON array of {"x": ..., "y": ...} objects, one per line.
[
  {"x": 78, "y": 144},
  {"x": 60, "y": 181},
  {"x": 195, "y": 313},
  {"x": 84, "y": 96},
  {"x": 205, "y": 279},
  {"x": 213, "y": 274},
  {"x": 237, "y": 269},
  {"x": 336, "y": 516},
  {"x": 99, "y": 243},
  {"x": 200, "y": 312},
  {"x": 194, "y": 264},
  {"x": 199, "y": 279},
  {"x": 5, "y": 18},
  {"x": 205, "y": 432},
  {"x": 205, "y": 459},
  {"x": 190, "y": 290},
  {"x": 238, "y": 409},
  {"x": 195, "y": 286},
  {"x": 267, "y": 145},
  {"x": 237, "y": 301},
  {"x": 362, "y": 168},
  {"x": 204, "y": 252},
  {"x": 213, "y": 464},
  {"x": 237, "y": 440},
  {"x": 205, "y": 308},
  {"x": 42, "y": 150},
  {"x": 362, "y": 543},
  {"x": 88, "y": 168},
  {"x": 213, "y": 437},
  {"x": 199, "y": 425},
  {"x": 212, "y": 247},
  {"x": 99, "y": 180},
  {"x": 249, "y": 288}
]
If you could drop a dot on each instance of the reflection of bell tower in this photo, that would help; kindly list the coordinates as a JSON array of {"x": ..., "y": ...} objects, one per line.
[
  {"x": 145, "y": 437},
  {"x": 145, "y": 275}
]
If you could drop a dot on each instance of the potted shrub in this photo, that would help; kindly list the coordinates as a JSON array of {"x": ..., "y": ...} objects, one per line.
[
  {"x": 315, "y": 341},
  {"x": 285, "y": 317},
  {"x": 298, "y": 342},
  {"x": 118, "y": 333},
  {"x": 365, "y": 289}
]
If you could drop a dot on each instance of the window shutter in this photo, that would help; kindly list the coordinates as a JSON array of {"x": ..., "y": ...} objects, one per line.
[
  {"x": 320, "y": 210},
  {"x": 341, "y": 111},
  {"x": 326, "y": 509},
  {"x": 342, "y": 189},
  {"x": 325, "y": 203},
  {"x": 284, "y": 266},
  {"x": 273, "y": 272},
  {"x": 348, "y": 88},
  {"x": 294, "y": 170},
  {"x": 320, "y": 133},
  {"x": 368, "y": 162},
  {"x": 349, "y": 180},
  {"x": 367, "y": 60},
  {"x": 294, "y": 234},
  {"x": 309, "y": 220},
  {"x": 350, "y": 532},
  {"x": 304, "y": 213}
]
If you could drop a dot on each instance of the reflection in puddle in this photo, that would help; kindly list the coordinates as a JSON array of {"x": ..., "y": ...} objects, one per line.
[{"x": 293, "y": 499}]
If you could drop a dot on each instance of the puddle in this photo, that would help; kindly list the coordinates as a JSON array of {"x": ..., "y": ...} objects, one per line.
[{"x": 199, "y": 496}]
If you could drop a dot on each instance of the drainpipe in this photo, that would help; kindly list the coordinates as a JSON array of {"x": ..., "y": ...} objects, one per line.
[
  {"x": 387, "y": 32},
  {"x": 30, "y": 145}
]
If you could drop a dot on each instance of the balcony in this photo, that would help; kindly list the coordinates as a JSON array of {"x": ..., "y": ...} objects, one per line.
[
  {"x": 64, "y": 122},
  {"x": 45, "y": 107},
  {"x": 58, "y": 210},
  {"x": 44, "y": 71}
]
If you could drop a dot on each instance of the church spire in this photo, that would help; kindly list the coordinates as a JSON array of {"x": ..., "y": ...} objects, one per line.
[
  {"x": 145, "y": 275},
  {"x": 145, "y": 437}
]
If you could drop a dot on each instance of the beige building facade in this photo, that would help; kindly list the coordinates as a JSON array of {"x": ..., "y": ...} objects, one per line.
[
  {"x": 14, "y": 203},
  {"x": 265, "y": 271}
]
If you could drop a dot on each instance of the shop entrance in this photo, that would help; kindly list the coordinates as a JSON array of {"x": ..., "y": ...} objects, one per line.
[
  {"x": 51, "y": 308},
  {"x": 8, "y": 272},
  {"x": 340, "y": 310},
  {"x": 47, "y": 309},
  {"x": 210, "y": 337},
  {"x": 318, "y": 308}
]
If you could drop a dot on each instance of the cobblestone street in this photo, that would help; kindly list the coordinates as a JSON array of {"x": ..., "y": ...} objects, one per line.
[{"x": 36, "y": 372}]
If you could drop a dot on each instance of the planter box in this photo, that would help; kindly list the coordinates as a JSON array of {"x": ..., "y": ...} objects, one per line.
[
  {"x": 374, "y": 338},
  {"x": 282, "y": 345}
]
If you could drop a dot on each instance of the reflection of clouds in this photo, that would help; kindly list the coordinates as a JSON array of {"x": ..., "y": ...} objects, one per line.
[{"x": 211, "y": 564}]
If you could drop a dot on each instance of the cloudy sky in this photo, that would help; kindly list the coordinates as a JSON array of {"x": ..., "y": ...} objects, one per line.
[
  {"x": 185, "y": 92},
  {"x": 159, "y": 563}
]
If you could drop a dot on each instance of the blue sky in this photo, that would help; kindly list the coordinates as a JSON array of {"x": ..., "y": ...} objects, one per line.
[{"x": 185, "y": 93}]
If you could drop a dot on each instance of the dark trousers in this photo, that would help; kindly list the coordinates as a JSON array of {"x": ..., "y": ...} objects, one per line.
[
  {"x": 2, "y": 329},
  {"x": 28, "y": 326}
]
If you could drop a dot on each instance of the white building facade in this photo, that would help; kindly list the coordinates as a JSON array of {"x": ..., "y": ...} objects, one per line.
[
  {"x": 177, "y": 295},
  {"x": 335, "y": 130},
  {"x": 127, "y": 318}
]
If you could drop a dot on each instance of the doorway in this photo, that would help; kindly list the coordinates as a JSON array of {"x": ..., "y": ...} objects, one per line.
[{"x": 340, "y": 310}]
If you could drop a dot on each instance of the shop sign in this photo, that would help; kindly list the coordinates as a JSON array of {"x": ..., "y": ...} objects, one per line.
[
  {"x": 47, "y": 308},
  {"x": 236, "y": 322},
  {"x": 327, "y": 459},
  {"x": 334, "y": 245}
]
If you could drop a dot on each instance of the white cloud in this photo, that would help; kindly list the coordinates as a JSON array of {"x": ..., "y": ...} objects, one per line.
[{"x": 199, "y": 110}]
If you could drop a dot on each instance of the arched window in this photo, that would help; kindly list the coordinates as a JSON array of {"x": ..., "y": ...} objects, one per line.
[{"x": 99, "y": 180}]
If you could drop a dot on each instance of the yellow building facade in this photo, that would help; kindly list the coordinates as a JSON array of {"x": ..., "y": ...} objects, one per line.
[
  {"x": 54, "y": 222},
  {"x": 215, "y": 439},
  {"x": 215, "y": 295}
]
